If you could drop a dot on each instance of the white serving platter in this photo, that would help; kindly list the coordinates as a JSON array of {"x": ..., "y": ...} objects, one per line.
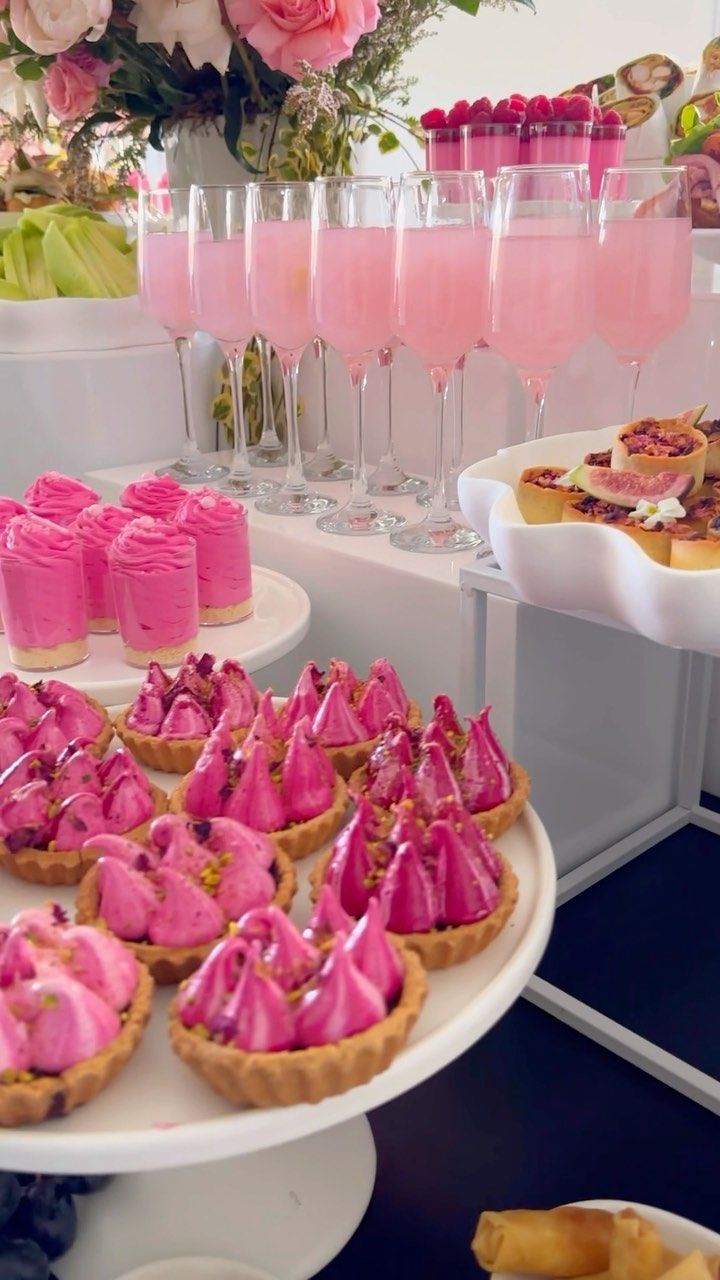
[{"x": 588, "y": 569}]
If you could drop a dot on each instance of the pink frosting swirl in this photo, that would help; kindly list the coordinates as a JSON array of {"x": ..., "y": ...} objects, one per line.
[
  {"x": 152, "y": 495},
  {"x": 9, "y": 508},
  {"x": 95, "y": 528},
  {"x": 59, "y": 498},
  {"x": 219, "y": 527},
  {"x": 42, "y": 583},
  {"x": 153, "y": 567}
]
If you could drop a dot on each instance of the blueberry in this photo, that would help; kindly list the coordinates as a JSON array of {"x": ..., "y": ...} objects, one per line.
[
  {"x": 46, "y": 1214},
  {"x": 10, "y": 1196},
  {"x": 85, "y": 1184},
  {"x": 23, "y": 1260}
]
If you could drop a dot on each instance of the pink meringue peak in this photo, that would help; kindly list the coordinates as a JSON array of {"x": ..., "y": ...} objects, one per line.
[
  {"x": 336, "y": 724},
  {"x": 193, "y": 703},
  {"x": 484, "y": 770}
]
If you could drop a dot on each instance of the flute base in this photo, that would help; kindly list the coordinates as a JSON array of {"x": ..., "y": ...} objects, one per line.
[
  {"x": 295, "y": 502},
  {"x": 246, "y": 487},
  {"x": 194, "y": 470},
  {"x": 325, "y": 465},
  {"x": 355, "y": 521},
  {"x": 391, "y": 480},
  {"x": 436, "y": 537},
  {"x": 268, "y": 455}
]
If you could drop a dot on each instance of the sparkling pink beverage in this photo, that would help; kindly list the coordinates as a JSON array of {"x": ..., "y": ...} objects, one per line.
[
  {"x": 560, "y": 142},
  {"x": 643, "y": 282},
  {"x": 441, "y": 303},
  {"x": 443, "y": 150},
  {"x": 541, "y": 297},
  {"x": 353, "y": 287},
  {"x": 280, "y": 283},
  {"x": 489, "y": 147},
  {"x": 165, "y": 281},
  {"x": 607, "y": 150},
  {"x": 219, "y": 290}
]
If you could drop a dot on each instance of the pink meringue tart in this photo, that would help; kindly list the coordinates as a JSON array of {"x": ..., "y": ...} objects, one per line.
[
  {"x": 171, "y": 899},
  {"x": 153, "y": 568},
  {"x": 74, "y": 1003},
  {"x": 288, "y": 790},
  {"x": 151, "y": 495},
  {"x": 348, "y": 714},
  {"x": 446, "y": 762},
  {"x": 170, "y": 720},
  {"x": 273, "y": 1017},
  {"x": 437, "y": 881},
  {"x": 95, "y": 527},
  {"x": 219, "y": 526},
  {"x": 43, "y": 594},
  {"x": 47, "y": 716},
  {"x": 54, "y": 802},
  {"x": 58, "y": 498}
]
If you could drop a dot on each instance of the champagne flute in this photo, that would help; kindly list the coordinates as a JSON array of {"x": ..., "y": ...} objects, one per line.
[
  {"x": 269, "y": 450},
  {"x": 220, "y": 306},
  {"x": 541, "y": 273},
  {"x": 278, "y": 259},
  {"x": 352, "y": 295},
  {"x": 324, "y": 463},
  {"x": 388, "y": 476},
  {"x": 644, "y": 262},
  {"x": 164, "y": 286},
  {"x": 457, "y": 441},
  {"x": 441, "y": 262}
]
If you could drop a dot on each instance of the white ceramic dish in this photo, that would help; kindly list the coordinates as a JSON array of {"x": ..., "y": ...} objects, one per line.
[
  {"x": 589, "y": 569},
  {"x": 281, "y": 619},
  {"x": 196, "y": 1269},
  {"x": 678, "y": 1233}
]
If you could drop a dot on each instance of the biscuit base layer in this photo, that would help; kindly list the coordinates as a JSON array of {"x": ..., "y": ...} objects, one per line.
[
  {"x": 54, "y": 658},
  {"x": 102, "y": 626},
  {"x": 170, "y": 965},
  {"x": 48, "y": 1096},
  {"x": 222, "y": 615},
  {"x": 304, "y": 1075},
  {"x": 68, "y": 866},
  {"x": 168, "y": 655}
]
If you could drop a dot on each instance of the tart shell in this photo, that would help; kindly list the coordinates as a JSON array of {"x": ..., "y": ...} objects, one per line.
[
  {"x": 100, "y": 744},
  {"x": 695, "y": 553},
  {"x": 68, "y": 866},
  {"x": 304, "y": 1075},
  {"x": 167, "y": 755},
  {"x": 654, "y": 542},
  {"x": 300, "y": 838},
  {"x": 442, "y": 948},
  {"x": 543, "y": 504},
  {"x": 48, "y": 1096},
  {"x": 493, "y": 821},
  {"x": 170, "y": 965},
  {"x": 692, "y": 464}
]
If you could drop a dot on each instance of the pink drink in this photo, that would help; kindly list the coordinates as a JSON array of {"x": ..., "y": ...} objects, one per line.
[
  {"x": 541, "y": 300},
  {"x": 441, "y": 305},
  {"x": 560, "y": 142},
  {"x": 219, "y": 290},
  {"x": 165, "y": 281},
  {"x": 443, "y": 150},
  {"x": 353, "y": 287},
  {"x": 280, "y": 283},
  {"x": 607, "y": 150},
  {"x": 489, "y": 147},
  {"x": 643, "y": 282}
]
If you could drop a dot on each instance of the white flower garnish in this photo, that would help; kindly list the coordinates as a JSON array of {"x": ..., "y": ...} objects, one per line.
[{"x": 656, "y": 513}]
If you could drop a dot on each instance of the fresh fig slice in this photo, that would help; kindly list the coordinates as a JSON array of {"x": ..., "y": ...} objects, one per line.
[
  {"x": 627, "y": 488},
  {"x": 692, "y": 417}
]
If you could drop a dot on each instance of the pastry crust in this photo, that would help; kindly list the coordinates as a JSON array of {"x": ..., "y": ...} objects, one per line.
[
  {"x": 543, "y": 503},
  {"x": 442, "y": 948},
  {"x": 654, "y": 542},
  {"x": 102, "y": 741},
  {"x": 304, "y": 1075},
  {"x": 170, "y": 965},
  {"x": 695, "y": 553},
  {"x": 167, "y": 755},
  {"x": 650, "y": 464},
  {"x": 493, "y": 821},
  {"x": 300, "y": 838},
  {"x": 68, "y": 866},
  {"x": 49, "y": 1096}
]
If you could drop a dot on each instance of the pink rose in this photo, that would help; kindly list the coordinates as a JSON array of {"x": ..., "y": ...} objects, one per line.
[
  {"x": 71, "y": 91},
  {"x": 286, "y": 32},
  {"x": 48, "y": 27}
]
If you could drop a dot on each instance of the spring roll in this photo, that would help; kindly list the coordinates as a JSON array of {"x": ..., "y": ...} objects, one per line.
[
  {"x": 636, "y": 1250},
  {"x": 692, "y": 1267},
  {"x": 563, "y": 1242}
]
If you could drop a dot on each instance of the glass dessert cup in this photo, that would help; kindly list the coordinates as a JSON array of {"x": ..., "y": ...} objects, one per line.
[
  {"x": 607, "y": 149},
  {"x": 559, "y": 142},
  {"x": 388, "y": 477},
  {"x": 43, "y": 595},
  {"x": 155, "y": 583},
  {"x": 324, "y": 463},
  {"x": 489, "y": 147},
  {"x": 218, "y": 526},
  {"x": 443, "y": 150}
]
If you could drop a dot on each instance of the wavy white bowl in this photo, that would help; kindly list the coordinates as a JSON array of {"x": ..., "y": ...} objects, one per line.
[{"x": 586, "y": 568}]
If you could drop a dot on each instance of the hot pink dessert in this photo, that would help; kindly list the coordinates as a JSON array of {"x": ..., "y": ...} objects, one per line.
[
  {"x": 95, "y": 528},
  {"x": 219, "y": 527},
  {"x": 69, "y": 995},
  {"x": 54, "y": 801},
  {"x": 153, "y": 567},
  {"x": 58, "y": 498},
  {"x": 151, "y": 495},
  {"x": 273, "y": 1017},
  {"x": 171, "y": 719},
  {"x": 8, "y": 508},
  {"x": 290, "y": 791},
  {"x": 46, "y": 716},
  {"x": 171, "y": 898},
  {"x": 43, "y": 594}
]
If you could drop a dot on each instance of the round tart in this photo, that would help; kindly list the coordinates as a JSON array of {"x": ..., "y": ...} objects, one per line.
[
  {"x": 53, "y": 804},
  {"x": 73, "y": 1007},
  {"x": 653, "y": 535},
  {"x": 653, "y": 445},
  {"x": 290, "y": 790},
  {"x": 440, "y": 886},
  {"x": 541, "y": 497},
  {"x": 170, "y": 720},
  {"x": 711, "y": 430},
  {"x": 171, "y": 900},
  {"x": 48, "y": 715},
  {"x": 697, "y": 550},
  {"x": 274, "y": 1018}
]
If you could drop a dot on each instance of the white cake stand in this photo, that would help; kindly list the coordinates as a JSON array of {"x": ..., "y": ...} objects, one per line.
[
  {"x": 279, "y": 622},
  {"x": 287, "y": 1209}
]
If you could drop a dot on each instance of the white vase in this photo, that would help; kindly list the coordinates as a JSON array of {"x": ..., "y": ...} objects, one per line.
[{"x": 195, "y": 151}]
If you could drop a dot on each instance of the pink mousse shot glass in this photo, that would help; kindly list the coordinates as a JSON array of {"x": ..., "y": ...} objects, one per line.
[
  {"x": 560, "y": 142},
  {"x": 490, "y": 146},
  {"x": 59, "y": 498},
  {"x": 43, "y": 594},
  {"x": 153, "y": 569},
  {"x": 8, "y": 508},
  {"x": 443, "y": 150},
  {"x": 95, "y": 528},
  {"x": 218, "y": 525},
  {"x": 607, "y": 151}
]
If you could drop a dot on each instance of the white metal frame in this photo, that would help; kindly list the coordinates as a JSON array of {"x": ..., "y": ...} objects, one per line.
[{"x": 490, "y": 611}]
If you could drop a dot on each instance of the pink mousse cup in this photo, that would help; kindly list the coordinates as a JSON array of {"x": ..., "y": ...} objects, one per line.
[
  {"x": 153, "y": 569},
  {"x": 560, "y": 142},
  {"x": 95, "y": 528},
  {"x": 607, "y": 150},
  {"x": 43, "y": 594},
  {"x": 443, "y": 150},
  {"x": 54, "y": 496},
  {"x": 219, "y": 527},
  {"x": 8, "y": 508},
  {"x": 489, "y": 147}
]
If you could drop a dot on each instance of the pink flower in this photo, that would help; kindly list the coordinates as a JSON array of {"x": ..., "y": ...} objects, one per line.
[
  {"x": 48, "y": 27},
  {"x": 287, "y": 32},
  {"x": 71, "y": 91}
]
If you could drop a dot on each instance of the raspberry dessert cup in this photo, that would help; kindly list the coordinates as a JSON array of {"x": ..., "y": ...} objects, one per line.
[
  {"x": 59, "y": 498},
  {"x": 43, "y": 594},
  {"x": 153, "y": 567},
  {"x": 219, "y": 526},
  {"x": 95, "y": 527}
]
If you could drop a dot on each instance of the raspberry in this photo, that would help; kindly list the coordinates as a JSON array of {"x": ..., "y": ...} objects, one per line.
[
  {"x": 578, "y": 107},
  {"x": 610, "y": 116},
  {"x": 559, "y": 108},
  {"x": 519, "y": 97},
  {"x": 482, "y": 117},
  {"x": 597, "y": 115},
  {"x": 459, "y": 114},
  {"x": 505, "y": 114},
  {"x": 539, "y": 109},
  {"x": 481, "y": 107},
  {"x": 517, "y": 104},
  {"x": 433, "y": 119}
]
